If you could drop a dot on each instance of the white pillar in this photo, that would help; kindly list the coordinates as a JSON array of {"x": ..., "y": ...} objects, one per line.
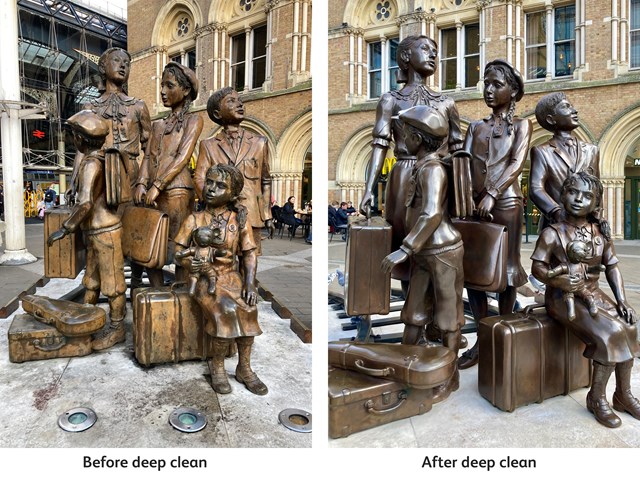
[
  {"x": 351, "y": 63},
  {"x": 614, "y": 31},
  {"x": 216, "y": 60},
  {"x": 549, "y": 13},
  {"x": 459, "y": 55},
  {"x": 16, "y": 252},
  {"x": 619, "y": 213},
  {"x": 62, "y": 177},
  {"x": 248, "y": 53},
  {"x": 610, "y": 200},
  {"x": 303, "y": 48},
  {"x": 296, "y": 33},
  {"x": 158, "y": 75},
  {"x": 510, "y": 32},
  {"x": 623, "y": 32},
  {"x": 223, "y": 57},
  {"x": 432, "y": 32},
  {"x": 360, "y": 41},
  {"x": 518, "y": 61},
  {"x": 296, "y": 187}
]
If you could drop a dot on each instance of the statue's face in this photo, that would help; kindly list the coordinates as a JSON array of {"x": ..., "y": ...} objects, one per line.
[
  {"x": 565, "y": 117},
  {"x": 217, "y": 190},
  {"x": 579, "y": 199},
  {"x": 497, "y": 92},
  {"x": 231, "y": 110},
  {"x": 171, "y": 92},
  {"x": 424, "y": 57},
  {"x": 117, "y": 67}
]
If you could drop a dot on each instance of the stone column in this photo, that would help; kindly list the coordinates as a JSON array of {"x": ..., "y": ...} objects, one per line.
[{"x": 16, "y": 252}]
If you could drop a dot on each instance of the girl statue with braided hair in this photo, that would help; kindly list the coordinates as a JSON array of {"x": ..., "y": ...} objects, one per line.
[
  {"x": 498, "y": 145},
  {"x": 230, "y": 312}
]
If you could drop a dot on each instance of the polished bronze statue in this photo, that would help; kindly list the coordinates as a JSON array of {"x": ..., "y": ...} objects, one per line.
[
  {"x": 553, "y": 161},
  {"x": 165, "y": 181},
  {"x": 417, "y": 58},
  {"x": 432, "y": 243},
  {"x": 611, "y": 335},
  {"x": 498, "y": 145},
  {"x": 100, "y": 224},
  {"x": 230, "y": 312},
  {"x": 247, "y": 151}
]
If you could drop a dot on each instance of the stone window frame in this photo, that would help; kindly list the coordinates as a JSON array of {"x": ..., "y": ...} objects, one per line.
[
  {"x": 551, "y": 43},
  {"x": 249, "y": 60},
  {"x": 388, "y": 65},
  {"x": 179, "y": 49},
  {"x": 633, "y": 31},
  {"x": 461, "y": 55}
]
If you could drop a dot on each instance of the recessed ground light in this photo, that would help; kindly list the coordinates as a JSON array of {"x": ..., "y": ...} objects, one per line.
[
  {"x": 296, "y": 420},
  {"x": 77, "y": 419},
  {"x": 187, "y": 420}
]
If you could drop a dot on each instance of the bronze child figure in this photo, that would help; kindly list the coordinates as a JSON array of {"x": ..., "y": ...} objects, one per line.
[
  {"x": 578, "y": 252},
  {"x": 554, "y": 161},
  {"x": 611, "y": 336},
  {"x": 100, "y": 224},
  {"x": 230, "y": 313},
  {"x": 245, "y": 150},
  {"x": 165, "y": 181},
  {"x": 205, "y": 245},
  {"x": 498, "y": 145},
  {"x": 432, "y": 244}
]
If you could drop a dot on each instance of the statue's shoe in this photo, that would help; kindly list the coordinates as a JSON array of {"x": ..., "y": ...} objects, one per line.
[
  {"x": 625, "y": 402},
  {"x": 252, "y": 382},
  {"x": 108, "y": 337},
  {"x": 602, "y": 411}
]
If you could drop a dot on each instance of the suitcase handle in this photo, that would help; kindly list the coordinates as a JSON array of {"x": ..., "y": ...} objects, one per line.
[
  {"x": 534, "y": 306},
  {"x": 51, "y": 346},
  {"x": 374, "y": 372},
  {"x": 402, "y": 396}
]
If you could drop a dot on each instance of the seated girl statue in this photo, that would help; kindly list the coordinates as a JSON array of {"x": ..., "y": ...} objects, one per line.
[
  {"x": 611, "y": 334},
  {"x": 230, "y": 312}
]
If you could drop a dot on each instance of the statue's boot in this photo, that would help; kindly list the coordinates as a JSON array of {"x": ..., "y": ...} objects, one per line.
[
  {"x": 469, "y": 358},
  {"x": 623, "y": 399},
  {"x": 597, "y": 399},
  {"x": 434, "y": 334},
  {"x": 219, "y": 379},
  {"x": 109, "y": 336},
  {"x": 244, "y": 374}
]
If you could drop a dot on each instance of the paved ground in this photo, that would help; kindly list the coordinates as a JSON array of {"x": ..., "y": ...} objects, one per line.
[
  {"x": 132, "y": 402},
  {"x": 468, "y": 420}
]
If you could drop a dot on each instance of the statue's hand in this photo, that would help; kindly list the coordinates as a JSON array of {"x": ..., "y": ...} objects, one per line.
[
  {"x": 152, "y": 194},
  {"x": 627, "y": 312},
  {"x": 55, "y": 236},
  {"x": 365, "y": 204},
  {"x": 558, "y": 215},
  {"x": 250, "y": 294},
  {"x": 139, "y": 194},
  {"x": 393, "y": 259},
  {"x": 567, "y": 283},
  {"x": 69, "y": 197},
  {"x": 486, "y": 205}
]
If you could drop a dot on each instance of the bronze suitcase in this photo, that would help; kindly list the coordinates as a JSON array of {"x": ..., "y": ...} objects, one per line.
[
  {"x": 145, "y": 233},
  {"x": 30, "y": 339},
  {"x": 67, "y": 257},
  {"x": 168, "y": 326},
  {"x": 414, "y": 365},
  {"x": 528, "y": 357},
  {"x": 367, "y": 289},
  {"x": 358, "y": 402}
]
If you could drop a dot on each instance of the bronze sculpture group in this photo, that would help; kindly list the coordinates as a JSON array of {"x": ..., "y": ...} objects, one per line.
[
  {"x": 575, "y": 241},
  {"x": 214, "y": 249}
]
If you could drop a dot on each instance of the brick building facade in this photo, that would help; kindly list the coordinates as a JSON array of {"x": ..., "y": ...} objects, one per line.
[
  {"x": 590, "y": 49},
  {"x": 261, "y": 48}
]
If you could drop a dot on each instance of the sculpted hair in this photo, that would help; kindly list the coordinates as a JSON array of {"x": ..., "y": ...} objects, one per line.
[
  {"x": 183, "y": 81},
  {"x": 213, "y": 103},
  {"x": 515, "y": 87},
  {"x": 405, "y": 46},
  {"x": 596, "y": 187},
  {"x": 236, "y": 182},
  {"x": 547, "y": 106}
]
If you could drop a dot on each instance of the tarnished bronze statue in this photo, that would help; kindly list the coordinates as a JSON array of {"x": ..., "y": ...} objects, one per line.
[
  {"x": 127, "y": 117},
  {"x": 230, "y": 312},
  {"x": 611, "y": 334},
  {"x": 417, "y": 58},
  {"x": 101, "y": 225},
  {"x": 165, "y": 181},
  {"x": 553, "y": 161},
  {"x": 498, "y": 145},
  {"x": 247, "y": 151},
  {"x": 432, "y": 244}
]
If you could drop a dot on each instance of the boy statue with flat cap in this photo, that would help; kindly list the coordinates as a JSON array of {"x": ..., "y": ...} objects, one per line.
[
  {"x": 432, "y": 244},
  {"x": 245, "y": 150},
  {"x": 100, "y": 224}
]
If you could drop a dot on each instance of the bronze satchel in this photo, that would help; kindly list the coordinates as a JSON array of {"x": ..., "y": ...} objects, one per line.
[
  {"x": 485, "y": 255},
  {"x": 145, "y": 236}
]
